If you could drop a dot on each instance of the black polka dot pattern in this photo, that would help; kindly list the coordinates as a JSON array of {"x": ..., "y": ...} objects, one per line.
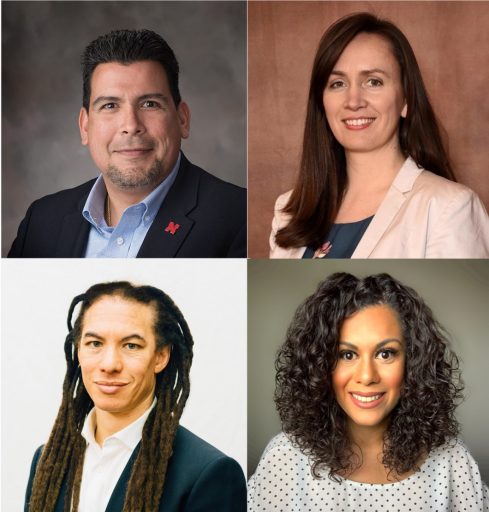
[{"x": 449, "y": 480}]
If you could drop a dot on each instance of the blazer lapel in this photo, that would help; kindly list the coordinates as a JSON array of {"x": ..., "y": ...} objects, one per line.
[
  {"x": 388, "y": 209},
  {"x": 116, "y": 502},
  {"x": 171, "y": 224},
  {"x": 73, "y": 235}
]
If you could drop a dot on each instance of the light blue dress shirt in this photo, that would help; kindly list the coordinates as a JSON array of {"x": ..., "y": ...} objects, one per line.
[{"x": 125, "y": 239}]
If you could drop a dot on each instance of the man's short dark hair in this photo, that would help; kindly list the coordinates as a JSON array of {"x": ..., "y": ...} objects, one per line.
[{"x": 126, "y": 47}]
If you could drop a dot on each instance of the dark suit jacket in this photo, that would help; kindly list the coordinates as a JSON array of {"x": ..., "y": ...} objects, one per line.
[
  {"x": 199, "y": 478},
  {"x": 211, "y": 214}
]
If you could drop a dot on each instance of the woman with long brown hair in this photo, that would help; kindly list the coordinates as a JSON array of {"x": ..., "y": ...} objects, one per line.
[{"x": 375, "y": 180}]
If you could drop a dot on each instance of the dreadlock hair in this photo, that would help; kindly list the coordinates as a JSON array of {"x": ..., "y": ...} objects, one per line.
[{"x": 63, "y": 455}]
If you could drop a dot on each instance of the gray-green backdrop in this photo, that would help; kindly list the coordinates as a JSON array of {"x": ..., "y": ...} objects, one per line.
[
  {"x": 41, "y": 96},
  {"x": 457, "y": 292}
]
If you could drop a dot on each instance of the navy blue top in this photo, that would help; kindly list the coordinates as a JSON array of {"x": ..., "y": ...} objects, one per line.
[{"x": 343, "y": 238}]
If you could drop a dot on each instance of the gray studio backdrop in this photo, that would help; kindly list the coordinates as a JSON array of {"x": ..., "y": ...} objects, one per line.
[
  {"x": 456, "y": 291},
  {"x": 41, "y": 95}
]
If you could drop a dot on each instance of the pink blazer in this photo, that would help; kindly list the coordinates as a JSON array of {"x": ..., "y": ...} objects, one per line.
[{"x": 421, "y": 216}]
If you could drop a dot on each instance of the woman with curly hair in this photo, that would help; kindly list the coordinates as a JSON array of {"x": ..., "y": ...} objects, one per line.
[
  {"x": 366, "y": 391},
  {"x": 375, "y": 179}
]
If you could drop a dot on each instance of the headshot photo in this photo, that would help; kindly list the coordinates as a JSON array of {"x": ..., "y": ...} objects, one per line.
[
  {"x": 131, "y": 396},
  {"x": 124, "y": 136},
  {"x": 374, "y": 147},
  {"x": 366, "y": 391}
]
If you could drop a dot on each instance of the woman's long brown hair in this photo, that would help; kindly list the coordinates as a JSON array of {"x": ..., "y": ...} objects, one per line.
[{"x": 322, "y": 181}]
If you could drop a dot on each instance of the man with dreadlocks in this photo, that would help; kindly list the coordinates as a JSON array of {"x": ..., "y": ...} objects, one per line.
[{"x": 116, "y": 445}]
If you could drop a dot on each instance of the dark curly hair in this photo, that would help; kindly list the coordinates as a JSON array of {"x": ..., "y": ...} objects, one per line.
[{"x": 312, "y": 418}]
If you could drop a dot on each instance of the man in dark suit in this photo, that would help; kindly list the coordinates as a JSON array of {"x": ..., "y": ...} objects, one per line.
[
  {"x": 116, "y": 443},
  {"x": 149, "y": 201}
]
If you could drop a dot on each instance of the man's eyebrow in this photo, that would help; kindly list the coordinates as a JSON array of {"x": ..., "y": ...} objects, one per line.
[
  {"x": 380, "y": 344},
  {"x": 133, "y": 336},
  {"x": 104, "y": 99},
  {"x": 338, "y": 72},
  {"x": 153, "y": 96},
  {"x": 114, "y": 99}
]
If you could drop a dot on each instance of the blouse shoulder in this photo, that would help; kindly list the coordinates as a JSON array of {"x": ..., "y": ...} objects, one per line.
[
  {"x": 452, "y": 455},
  {"x": 453, "y": 467},
  {"x": 280, "y": 445}
]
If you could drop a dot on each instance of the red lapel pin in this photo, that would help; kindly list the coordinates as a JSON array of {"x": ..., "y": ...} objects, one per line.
[{"x": 172, "y": 228}]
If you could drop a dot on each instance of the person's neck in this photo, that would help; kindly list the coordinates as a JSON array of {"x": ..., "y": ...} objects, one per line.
[
  {"x": 118, "y": 200},
  {"x": 368, "y": 446},
  {"x": 374, "y": 170},
  {"x": 107, "y": 423},
  {"x": 367, "y": 438}
]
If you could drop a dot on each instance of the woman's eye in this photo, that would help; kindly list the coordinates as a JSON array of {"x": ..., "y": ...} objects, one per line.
[
  {"x": 374, "y": 82},
  {"x": 94, "y": 343},
  {"x": 132, "y": 346},
  {"x": 347, "y": 355},
  {"x": 386, "y": 354},
  {"x": 336, "y": 85}
]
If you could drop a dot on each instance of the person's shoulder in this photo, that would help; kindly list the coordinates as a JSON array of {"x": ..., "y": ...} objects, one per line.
[
  {"x": 199, "y": 476},
  {"x": 456, "y": 470},
  {"x": 443, "y": 189},
  {"x": 453, "y": 455},
  {"x": 214, "y": 183},
  {"x": 37, "y": 456},
  {"x": 280, "y": 446},
  {"x": 194, "y": 451},
  {"x": 454, "y": 448},
  {"x": 65, "y": 196}
]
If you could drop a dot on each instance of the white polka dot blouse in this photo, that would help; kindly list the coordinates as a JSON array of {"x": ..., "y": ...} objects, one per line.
[{"x": 448, "y": 481}]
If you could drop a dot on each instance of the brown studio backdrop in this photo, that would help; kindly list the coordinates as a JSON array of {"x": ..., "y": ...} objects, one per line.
[{"x": 451, "y": 43}]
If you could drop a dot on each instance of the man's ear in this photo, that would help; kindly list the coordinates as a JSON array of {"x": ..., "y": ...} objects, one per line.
[
  {"x": 162, "y": 358},
  {"x": 83, "y": 124},
  {"x": 184, "y": 117}
]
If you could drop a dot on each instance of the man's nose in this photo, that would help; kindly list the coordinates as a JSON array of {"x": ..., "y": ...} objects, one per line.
[
  {"x": 131, "y": 121},
  {"x": 110, "y": 360}
]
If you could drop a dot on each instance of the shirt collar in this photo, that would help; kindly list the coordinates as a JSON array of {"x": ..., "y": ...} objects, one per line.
[
  {"x": 94, "y": 208},
  {"x": 129, "y": 436}
]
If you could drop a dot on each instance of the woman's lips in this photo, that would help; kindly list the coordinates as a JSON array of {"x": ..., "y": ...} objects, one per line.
[
  {"x": 367, "y": 400},
  {"x": 358, "y": 123}
]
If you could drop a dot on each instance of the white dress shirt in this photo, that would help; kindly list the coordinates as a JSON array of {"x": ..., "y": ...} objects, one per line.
[{"x": 104, "y": 464}]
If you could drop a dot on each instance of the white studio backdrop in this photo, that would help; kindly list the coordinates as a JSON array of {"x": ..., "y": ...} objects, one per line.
[{"x": 36, "y": 295}]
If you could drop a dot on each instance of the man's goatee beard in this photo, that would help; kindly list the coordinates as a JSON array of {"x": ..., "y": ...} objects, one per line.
[{"x": 136, "y": 177}]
